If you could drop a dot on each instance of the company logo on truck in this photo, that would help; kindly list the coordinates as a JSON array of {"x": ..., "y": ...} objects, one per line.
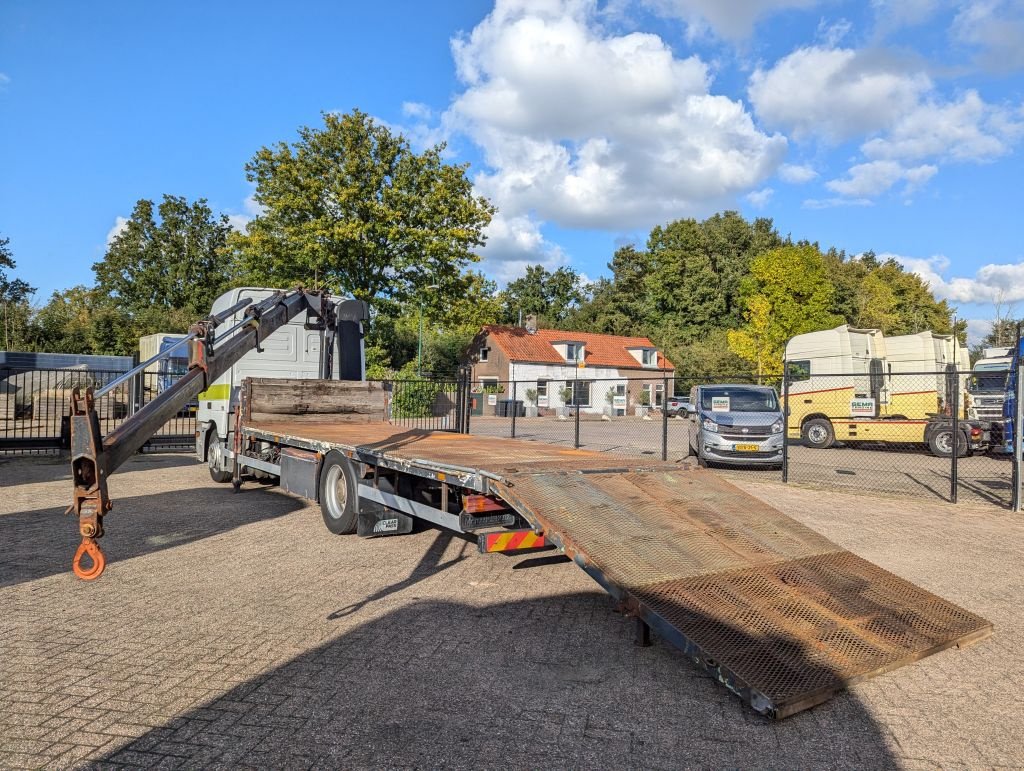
[{"x": 862, "y": 408}]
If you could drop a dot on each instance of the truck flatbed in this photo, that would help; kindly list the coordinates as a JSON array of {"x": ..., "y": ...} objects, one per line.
[{"x": 779, "y": 614}]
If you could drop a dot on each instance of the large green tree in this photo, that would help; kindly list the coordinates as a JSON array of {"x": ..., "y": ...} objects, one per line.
[
  {"x": 350, "y": 206},
  {"x": 14, "y": 299},
  {"x": 788, "y": 292},
  {"x": 552, "y": 296},
  {"x": 170, "y": 257}
]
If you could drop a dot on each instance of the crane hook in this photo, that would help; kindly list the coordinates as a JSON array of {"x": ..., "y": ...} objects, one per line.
[{"x": 99, "y": 562}]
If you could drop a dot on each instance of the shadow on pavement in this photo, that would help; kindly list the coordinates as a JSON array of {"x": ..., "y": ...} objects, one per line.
[
  {"x": 42, "y": 542},
  {"x": 428, "y": 565},
  {"x": 547, "y": 682}
]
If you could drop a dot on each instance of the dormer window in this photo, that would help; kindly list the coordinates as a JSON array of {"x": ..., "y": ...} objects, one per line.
[
  {"x": 574, "y": 352},
  {"x": 649, "y": 357}
]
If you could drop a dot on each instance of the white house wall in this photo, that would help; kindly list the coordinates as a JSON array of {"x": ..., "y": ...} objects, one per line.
[{"x": 526, "y": 376}]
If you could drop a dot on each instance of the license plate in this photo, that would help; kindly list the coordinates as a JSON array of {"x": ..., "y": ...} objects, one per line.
[{"x": 746, "y": 447}]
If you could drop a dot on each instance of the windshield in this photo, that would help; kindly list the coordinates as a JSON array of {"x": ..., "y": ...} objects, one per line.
[
  {"x": 995, "y": 381},
  {"x": 738, "y": 400}
]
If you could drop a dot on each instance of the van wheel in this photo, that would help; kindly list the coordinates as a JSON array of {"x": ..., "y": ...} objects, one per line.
[
  {"x": 818, "y": 433},
  {"x": 941, "y": 444},
  {"x": 217, "y": 460},
  {"x": 339, "y": 496}
]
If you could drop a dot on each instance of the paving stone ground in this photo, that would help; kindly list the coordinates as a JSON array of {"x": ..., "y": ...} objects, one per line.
[{"x": 235, "y": 631}]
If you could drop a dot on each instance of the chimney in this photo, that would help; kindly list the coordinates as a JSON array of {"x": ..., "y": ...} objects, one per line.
[{"x": 531, "y": 324}]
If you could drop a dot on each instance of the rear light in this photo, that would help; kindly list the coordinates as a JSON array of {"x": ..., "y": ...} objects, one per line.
[{"x": 976, "y": 432}]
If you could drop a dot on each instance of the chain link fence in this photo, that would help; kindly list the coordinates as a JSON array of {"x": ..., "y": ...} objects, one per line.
[{"x": 892, "y": 433}]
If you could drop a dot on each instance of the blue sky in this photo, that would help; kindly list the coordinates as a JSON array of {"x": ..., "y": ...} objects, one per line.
[{"x": 892, "y": 126}]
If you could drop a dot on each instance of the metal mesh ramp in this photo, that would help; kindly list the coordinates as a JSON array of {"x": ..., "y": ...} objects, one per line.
[{"x": 779, "y": 614}]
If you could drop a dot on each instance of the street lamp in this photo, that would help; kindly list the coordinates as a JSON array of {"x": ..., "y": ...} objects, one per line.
[{"x": 419, "y": 348}]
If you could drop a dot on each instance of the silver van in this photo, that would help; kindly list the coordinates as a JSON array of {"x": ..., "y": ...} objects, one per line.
[{"x": 739, "y": 425}]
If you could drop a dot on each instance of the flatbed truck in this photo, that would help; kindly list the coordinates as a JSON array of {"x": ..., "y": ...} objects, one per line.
[{"x": 778, "y": 614}]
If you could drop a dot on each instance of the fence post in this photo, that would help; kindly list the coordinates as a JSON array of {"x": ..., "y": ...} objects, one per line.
[
  {"x": 664, "y": 418},
  {"x": 785, "y": 422},
  {"x": 576, "y": 407},
  {"x": 514, "y": 409},
  {"x": 1018, "y": 414},
  {"x": 954, "y": 460},
  {"x": 467, "y": 403}
]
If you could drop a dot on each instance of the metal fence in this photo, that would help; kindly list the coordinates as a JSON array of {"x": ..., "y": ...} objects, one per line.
[
  {"x": 34, "y": 407},
  {"x": 434, "y": 404},
  {"x": 891, "y": 433}
]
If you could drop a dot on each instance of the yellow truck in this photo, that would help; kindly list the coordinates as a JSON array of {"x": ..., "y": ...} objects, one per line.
[{"x": 857, "y": 385}]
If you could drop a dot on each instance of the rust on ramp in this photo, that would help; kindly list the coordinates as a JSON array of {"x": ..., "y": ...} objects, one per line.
[
  {"x": 775, "y": 611},
  {"x": 779, "y": 614}
]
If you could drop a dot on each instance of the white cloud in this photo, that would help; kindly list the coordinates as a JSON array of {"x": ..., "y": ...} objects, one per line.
[
  {"x": 991, "y": 283},
  {"x": 977, "y": 330},
  {"x": 866, "y": 180},
  {"x": 731, "y": 19},
  {"x": 513, "y": 243},
  {"x": 796, "y": 174},
  {"x": 590, "y": 129},
  {"x": 417, "y": 110},
  {"x": 965, "y": 130},
  {"x": 4, "y": 80},
  {"x": 831, "y": 203},
  {"x": 996, "y": 29},
  {"x": 891, "y": 15},
  {"x": 760, "y": 198},
  {"x": 835, "y": 93},
  {"x": 250, "y": 210},
  {"x": 120, "y": 225}
]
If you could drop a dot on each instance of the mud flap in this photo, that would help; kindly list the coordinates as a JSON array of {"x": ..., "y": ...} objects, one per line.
[{"x": 376, "y": 520}]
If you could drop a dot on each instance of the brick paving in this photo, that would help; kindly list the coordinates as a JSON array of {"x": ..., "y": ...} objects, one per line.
[{"x": 234, "y": 630}]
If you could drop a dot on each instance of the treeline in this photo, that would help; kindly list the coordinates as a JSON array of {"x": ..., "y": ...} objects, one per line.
[
  {"x": 724, "y": 295},
  {"x": 350, "y": 207}
]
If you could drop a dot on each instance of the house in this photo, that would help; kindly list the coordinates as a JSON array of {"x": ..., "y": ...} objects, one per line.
[{"x": 597, "y": 373}]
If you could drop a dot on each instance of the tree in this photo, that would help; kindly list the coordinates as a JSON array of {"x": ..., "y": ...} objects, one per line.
[
  {"x": 14, "y": 296},
  {"x": 788, "y": 292},
  {"x": 352, "y": 208},
  {"x": 178, "y": 263},
  {"x": 552, "y": 296}
]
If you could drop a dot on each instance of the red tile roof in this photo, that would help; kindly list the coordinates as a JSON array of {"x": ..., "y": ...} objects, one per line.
[{"x": 600, "y": 350}]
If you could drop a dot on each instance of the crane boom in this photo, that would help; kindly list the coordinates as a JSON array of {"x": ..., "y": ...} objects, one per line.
[{"x": 94, "y": 457}]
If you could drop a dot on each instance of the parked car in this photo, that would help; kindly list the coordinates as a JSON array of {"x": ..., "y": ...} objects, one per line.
[
  {"x": 739, "y": 425},
  {"x": 677, "y": 405}
]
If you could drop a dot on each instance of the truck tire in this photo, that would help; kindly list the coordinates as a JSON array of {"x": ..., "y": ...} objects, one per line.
[
  {"x": 339, "y": 496},
  {"x": 941, "y": 444},
  {"x": 216, "y": 460},
  {"x": 818, "y": 433}
]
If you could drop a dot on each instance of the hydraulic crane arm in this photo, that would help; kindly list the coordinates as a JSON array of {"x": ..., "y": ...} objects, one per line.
[{"x": 94, "y": 457}]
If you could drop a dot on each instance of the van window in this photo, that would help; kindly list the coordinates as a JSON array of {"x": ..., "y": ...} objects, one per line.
[{"x": 741, "y": 399}]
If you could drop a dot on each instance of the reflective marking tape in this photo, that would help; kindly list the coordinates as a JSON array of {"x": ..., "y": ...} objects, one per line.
[{"x": 510, "y": 540}]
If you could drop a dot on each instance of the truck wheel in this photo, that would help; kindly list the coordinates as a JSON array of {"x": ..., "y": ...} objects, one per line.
[
  {"x": 818, "y": 433},
  {"x": 941, "y": 444},
  {"x": 217, "y": 460},
  {"x": 339, "y": 497}
]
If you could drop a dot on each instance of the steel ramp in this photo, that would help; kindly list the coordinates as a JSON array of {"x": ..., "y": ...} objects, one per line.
[{"x": 776, "y": 612}]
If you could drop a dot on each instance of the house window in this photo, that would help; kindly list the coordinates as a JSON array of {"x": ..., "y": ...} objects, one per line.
[
  {"x": 659, "y": 394},
  {"x": 542, "y": 393},
  {"x": 649, "y": 357},
  {"x": 580, "y": 393},
  {"x": 484, "y": 353},
  {"x": 574, "y": 352}
]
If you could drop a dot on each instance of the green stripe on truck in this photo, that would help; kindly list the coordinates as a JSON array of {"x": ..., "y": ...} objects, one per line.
[{"x": 214, "y": 392}]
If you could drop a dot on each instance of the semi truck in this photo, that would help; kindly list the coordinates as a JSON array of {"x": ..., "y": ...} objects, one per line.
[
  {"x": 987, "y": 386},
  {"x": 857, "y": 385},
  {"x": 778, "y": 614}
]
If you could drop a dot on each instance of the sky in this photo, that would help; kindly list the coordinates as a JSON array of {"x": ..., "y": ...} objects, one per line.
[{"x": 894, "y": 126}]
